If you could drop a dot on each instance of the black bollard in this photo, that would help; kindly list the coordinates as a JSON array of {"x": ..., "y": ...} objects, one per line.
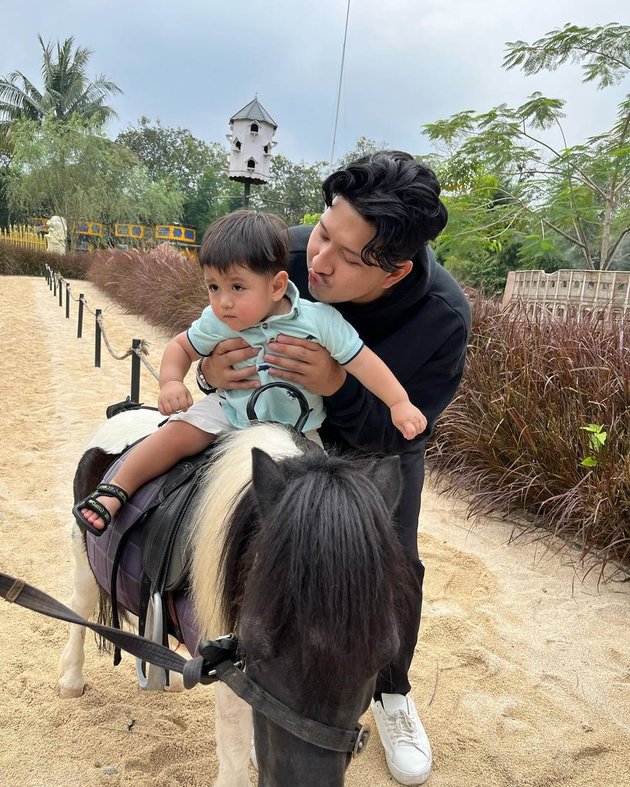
[
  {"x": 135, "y": 371},
  {"x": 54, "y": 285},
  {"x": 80, "y": 318},
  {"x": 60, "y": 292},
  {"x": 97, "y": 340},
  {"x": 67, "y": 301}
]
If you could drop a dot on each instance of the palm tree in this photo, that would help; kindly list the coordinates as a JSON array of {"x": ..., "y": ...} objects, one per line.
[{"x": 66, "y": 89}]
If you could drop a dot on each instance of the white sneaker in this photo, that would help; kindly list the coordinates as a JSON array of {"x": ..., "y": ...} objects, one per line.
[{"x": 407, "y": 747}]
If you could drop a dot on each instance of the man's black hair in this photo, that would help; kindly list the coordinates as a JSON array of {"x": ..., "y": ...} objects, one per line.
[
  {"x": 257, "y": 241},
  {"x": 396, "y": 194}
]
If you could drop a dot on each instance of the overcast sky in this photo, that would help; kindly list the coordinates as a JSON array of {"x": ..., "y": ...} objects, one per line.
[{"x": 194, "y": 63}]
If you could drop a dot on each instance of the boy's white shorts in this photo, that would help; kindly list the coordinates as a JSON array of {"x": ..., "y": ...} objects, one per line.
[{"x": 208, "y": 415}]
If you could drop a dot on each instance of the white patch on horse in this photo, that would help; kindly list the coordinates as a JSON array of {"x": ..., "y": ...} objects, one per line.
[
  {"x": 115, "y": 434},
  {"x": 223, "y": 485}
]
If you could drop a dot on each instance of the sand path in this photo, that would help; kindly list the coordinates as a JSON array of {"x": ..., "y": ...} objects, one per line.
[{"x": 522, "y": 675}]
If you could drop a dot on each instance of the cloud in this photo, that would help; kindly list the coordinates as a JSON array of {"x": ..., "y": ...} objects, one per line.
[{"x": 194, "y": 63}]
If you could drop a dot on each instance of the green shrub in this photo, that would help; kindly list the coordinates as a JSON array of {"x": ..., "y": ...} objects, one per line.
[
  {"x": 516, "y": 436},
  {"x": 18, "y": 261}
]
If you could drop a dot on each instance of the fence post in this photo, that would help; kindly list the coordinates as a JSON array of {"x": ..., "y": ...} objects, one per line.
[
  {"x": 97, "y": 340},
  {"x": 135, "y": 371},
  {"x": 67, "y": 301},
  {"x": 60, "y": 293},
  {"x": 80, "y": 319},
  {"x": 55, "y": 284}
]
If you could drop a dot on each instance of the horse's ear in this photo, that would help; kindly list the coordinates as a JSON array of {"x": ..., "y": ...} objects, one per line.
[
  {"x": 267, "y": 480},
  {"x": 386, "y": 476}
]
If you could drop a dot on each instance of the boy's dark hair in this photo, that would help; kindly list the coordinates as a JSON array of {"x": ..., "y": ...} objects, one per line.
[
  {"x": 396, "y": 194},
  {"x": 258, "y": 241}
]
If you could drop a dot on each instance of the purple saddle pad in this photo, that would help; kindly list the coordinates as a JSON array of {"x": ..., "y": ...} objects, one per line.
[{"x": 102, "y": 550}]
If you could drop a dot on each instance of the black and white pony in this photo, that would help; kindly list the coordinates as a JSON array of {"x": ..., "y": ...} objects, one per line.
[{"x": 295, "y": 552}]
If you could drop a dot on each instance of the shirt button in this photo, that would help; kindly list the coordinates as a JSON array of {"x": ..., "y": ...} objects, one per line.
[{"x": 264, "y": 325}]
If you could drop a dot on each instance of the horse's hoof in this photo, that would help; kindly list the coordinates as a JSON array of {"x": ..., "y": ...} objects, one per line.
[{"x": 70, "y": 691}]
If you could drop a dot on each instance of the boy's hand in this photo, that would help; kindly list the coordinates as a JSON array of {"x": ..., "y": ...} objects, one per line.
[
  {"x": 408, "y": 419},
  {"x": 174, "y": 396}
]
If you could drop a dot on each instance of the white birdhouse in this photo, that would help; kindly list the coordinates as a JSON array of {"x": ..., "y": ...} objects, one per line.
[{"x": 251, "y": 140}]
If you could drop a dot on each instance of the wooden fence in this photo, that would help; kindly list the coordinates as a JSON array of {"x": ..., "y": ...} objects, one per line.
[{"x": 578, "y": 292}]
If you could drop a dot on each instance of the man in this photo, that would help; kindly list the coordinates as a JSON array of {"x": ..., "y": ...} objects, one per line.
[{"x": 369, "y": 256}]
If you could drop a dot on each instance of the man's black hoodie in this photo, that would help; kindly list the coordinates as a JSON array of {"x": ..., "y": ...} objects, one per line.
[{"x": 420, "y": 329}]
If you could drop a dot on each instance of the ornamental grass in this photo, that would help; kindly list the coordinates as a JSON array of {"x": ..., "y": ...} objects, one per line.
[
  {"x": 22, "y": 261},
  {"x": 162, "y": 285},
  {"x": 541, "y": 425}
]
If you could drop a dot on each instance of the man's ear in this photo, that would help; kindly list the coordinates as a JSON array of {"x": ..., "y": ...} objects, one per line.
[
  {"x": 402, "y": 270},
  {"x": 279, "y": 285}
]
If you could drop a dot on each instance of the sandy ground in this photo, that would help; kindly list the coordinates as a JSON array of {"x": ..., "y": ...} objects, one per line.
[{"x": 522, "y": 674}]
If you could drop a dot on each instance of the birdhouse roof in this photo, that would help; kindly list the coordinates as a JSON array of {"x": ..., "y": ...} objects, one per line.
[{"x": 254, "y": 111}]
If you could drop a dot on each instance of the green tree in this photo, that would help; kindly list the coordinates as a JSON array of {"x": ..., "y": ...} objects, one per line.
[
  {"x": 215, "y": 196},
  {"x": 293, "y": 189},
  {"x": 72, "y": 169},
  {"x": 198, "y": 169},
  {"x": 66, "y": 89},
  {"x": 553, "y": 196},
  {"x": 363, "y": 147},
  {"x": 172, "y": 153}
]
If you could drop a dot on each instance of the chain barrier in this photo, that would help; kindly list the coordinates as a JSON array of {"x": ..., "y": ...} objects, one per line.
[{"x": 138, "y": 351}]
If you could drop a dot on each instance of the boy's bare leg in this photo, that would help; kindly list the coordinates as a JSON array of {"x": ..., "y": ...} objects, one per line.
[{"x": 153, "y": 456}]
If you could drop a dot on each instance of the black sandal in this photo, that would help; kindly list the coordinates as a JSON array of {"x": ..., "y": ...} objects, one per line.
[{"x": 92, "y": 504}]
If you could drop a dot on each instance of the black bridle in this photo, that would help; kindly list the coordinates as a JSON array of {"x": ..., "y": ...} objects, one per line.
[
  {"x": 292, "y": 391},
  {"x": 218, "y": 659}
]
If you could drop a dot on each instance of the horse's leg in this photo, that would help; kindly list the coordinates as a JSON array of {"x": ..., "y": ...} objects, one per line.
[
  {"x": 233, "y": 733},
  {"x": 84, "y": 600}
]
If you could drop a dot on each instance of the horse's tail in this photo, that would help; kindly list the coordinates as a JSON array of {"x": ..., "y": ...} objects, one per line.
[{"x": 223, "y": 485}]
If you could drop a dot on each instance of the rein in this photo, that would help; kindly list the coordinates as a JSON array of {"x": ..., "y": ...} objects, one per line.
[{"x": 218, "y": 660}]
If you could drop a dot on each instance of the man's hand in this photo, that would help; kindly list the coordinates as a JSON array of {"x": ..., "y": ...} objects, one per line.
[
  {"x": 218, "y": 367},
  {"x": 174, "y": 396},
  {"x": 408, "y": 419},
  {"x": 306, "y": 363}
]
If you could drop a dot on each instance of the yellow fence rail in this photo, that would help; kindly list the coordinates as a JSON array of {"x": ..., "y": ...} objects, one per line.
[{"x": 24, "y": 236}]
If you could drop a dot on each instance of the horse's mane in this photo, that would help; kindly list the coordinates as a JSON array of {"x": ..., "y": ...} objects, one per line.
[
  {"x": 225, "y": 481},
  {"x": 324, "y": 570}
]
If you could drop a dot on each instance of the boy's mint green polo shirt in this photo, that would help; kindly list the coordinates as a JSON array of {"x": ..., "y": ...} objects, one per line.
[{"x": 317, "y": 322}]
